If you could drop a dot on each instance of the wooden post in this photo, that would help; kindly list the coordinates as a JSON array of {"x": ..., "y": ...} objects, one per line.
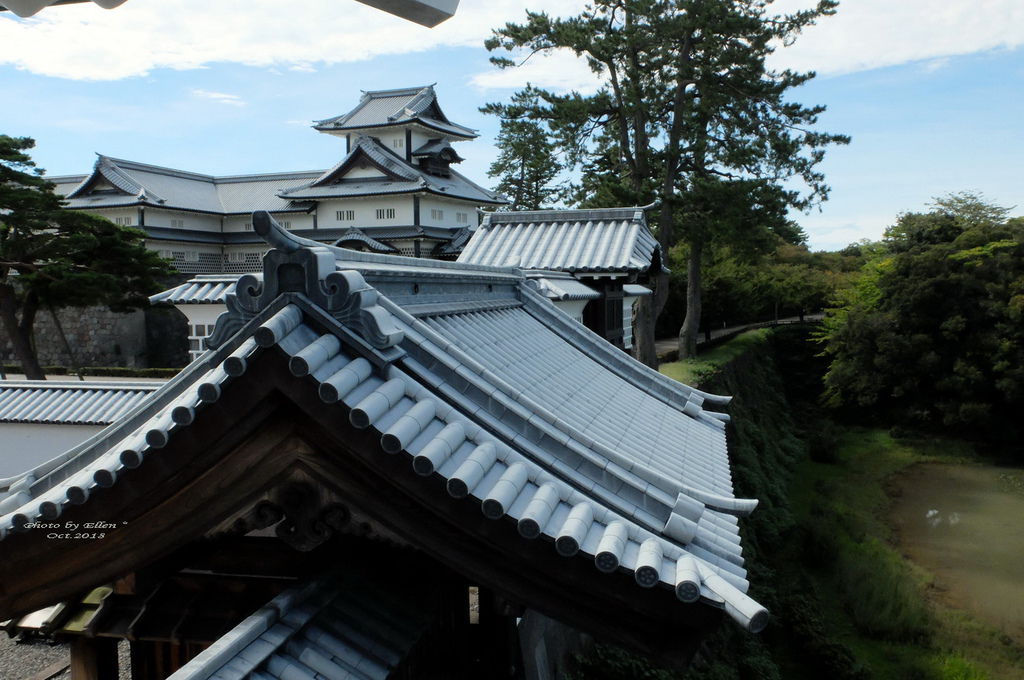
[{"x": 93, "y": 658}]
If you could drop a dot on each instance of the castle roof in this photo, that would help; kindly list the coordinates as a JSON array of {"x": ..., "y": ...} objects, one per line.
[
  {"x": 116, "y": 182},
  {"x": 389, "y": 108},
  {"x": 396, "y": 176}
]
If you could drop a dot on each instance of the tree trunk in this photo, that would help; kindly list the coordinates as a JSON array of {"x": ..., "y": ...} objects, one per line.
[
  {"x": 691, "y": 324},
  {"x": 643, "y": 332},
  {"x": 19, "y": 333},
  {"x": 647, "y": 311}
]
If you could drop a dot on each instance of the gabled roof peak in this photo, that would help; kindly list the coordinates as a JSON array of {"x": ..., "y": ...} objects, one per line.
[{"x": 404, "y": 106}]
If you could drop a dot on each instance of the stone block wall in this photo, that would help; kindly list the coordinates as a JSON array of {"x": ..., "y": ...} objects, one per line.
[{"x": 100, "y": 337}]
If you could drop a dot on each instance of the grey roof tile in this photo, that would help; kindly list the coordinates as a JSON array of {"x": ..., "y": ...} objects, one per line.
[
  {"x": 72, "y": 403},
  {"x": 142, "y": 183},
  {"x": 584, "y": 241},
  {"x": 383, "y": 108},
  {"x": 401, "y": 177}
]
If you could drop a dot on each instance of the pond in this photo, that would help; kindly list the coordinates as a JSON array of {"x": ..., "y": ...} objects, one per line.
[{"x": 965, "y": 525}]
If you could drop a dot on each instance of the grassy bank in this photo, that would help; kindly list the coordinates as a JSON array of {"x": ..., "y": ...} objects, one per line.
[
  {"x": 881, "y": 605},
  {"x": 821, "y": 553}
]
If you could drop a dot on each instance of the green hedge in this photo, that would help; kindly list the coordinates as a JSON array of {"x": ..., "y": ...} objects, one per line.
[{"x": 103, "y": 371}]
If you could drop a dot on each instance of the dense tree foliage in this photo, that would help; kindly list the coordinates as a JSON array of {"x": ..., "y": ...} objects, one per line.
[
  {"x": 741, "y": 286},
  {"x": 51, "y": 257},
  {"x": 689, "y": 115},
  {"x": 933, "y": 332},
  {"x": 527, "y": 166}
]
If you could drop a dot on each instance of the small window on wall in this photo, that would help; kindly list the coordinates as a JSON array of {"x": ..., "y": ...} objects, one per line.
[
  {"x": 247, "y": 226},
  {"x": 123, "y": 221},
  {"x": 345, "y": 215},
  {"x": 436, "y": 214},
  {"x": 286, "y": 224},
  {"x": 196, "y": 334},
  {"x": 177, "y": 224},
  {"x": 385, "y": 213},
  {"x": 461, "y": 217},
  {"x": 398, "y": 143}
]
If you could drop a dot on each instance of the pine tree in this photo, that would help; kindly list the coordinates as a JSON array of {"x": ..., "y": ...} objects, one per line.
[
  {"x": 51, "y": 257},
  {"x": 527, "y": 165},
  {"x": 689, "y": 114}
]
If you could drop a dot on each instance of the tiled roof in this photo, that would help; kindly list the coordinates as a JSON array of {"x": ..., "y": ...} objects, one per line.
[
  {"x": 382, "y": 108},
  {"x": 206, "y": 289},
  {"x": 402, "y": 177},
  {"x": 457, "y": 243},
  {"x": 69, "y": 403},
  {"x": 635, "y": 290},
  {"x": 560, "y": 286},
  {"x": 592, "y": 241},
  {"x": 330, "y": 628},
  {"x": 479, "y": 381},
  {"x": 141, "y": 183},
  {"x": 438, "y": 147},
  {"x": 357, "y": 235}
]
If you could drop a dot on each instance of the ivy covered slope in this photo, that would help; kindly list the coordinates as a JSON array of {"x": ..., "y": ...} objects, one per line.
[{"x": 845, "y": 603}]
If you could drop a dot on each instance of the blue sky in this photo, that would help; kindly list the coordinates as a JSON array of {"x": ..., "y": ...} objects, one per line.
[{"x": 931, "y": 98}]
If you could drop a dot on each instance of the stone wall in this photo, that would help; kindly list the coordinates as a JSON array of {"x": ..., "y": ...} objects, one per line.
[{"x": 100, "y": 337}]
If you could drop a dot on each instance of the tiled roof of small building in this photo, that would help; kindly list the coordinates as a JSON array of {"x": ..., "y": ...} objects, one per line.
[
  {"x": 473, "y": 376},
  {"x": 384, "y": 108},
  {"x": 205, "y": 289},
  {"x": 562, "y": 286},
  {"x": 70, "y": 403},
  {"x": 330, "y": 628},
  {"x": 578, "y": 241}
]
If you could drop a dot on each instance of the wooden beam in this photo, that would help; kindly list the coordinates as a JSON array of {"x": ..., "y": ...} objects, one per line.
[{"x": 93, "y": 658}]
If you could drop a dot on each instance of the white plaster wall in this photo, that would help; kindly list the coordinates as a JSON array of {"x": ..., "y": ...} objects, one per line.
[
  {"x": 236, "y": 223},
  {"x": 364, "y": 171},
  {"x": 113, "y": 213},
  {"x": 573, "y": 308},
  {"x": 365, "y": 209},
  {"x": 450, "y": 208},
  {"x": 25, "y": 445},
  {"x": 199, "y": 222},
  {"x": 202, "y": 314}
]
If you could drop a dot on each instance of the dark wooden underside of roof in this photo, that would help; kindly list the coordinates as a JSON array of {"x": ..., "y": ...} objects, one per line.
[{"x": 269, "y": 429}]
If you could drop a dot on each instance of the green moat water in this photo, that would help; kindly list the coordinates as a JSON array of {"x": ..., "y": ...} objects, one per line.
[{"x": 965, "y": 525}]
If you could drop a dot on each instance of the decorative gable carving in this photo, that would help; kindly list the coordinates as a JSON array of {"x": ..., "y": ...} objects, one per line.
[{"x": 293, "y": 266}]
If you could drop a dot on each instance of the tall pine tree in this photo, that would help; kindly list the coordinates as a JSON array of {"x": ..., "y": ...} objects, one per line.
[{"x": 689, "y": 114}]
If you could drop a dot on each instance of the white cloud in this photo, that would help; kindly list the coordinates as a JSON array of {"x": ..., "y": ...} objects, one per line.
[
  {"x": 561, "y": 71},
  {"x": 833, "y": 233},
  {"x": 219, "y": 97},
  {"x": 83, "y": 42},
  {"x": 863, "y": 35},
  {"x": 867, "y": 34}
]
